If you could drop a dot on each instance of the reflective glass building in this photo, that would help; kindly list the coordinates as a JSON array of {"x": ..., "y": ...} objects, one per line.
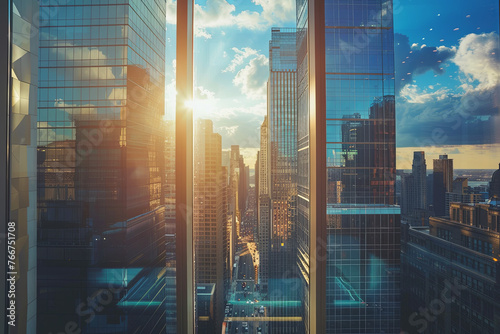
[
  {"x": 348, "y": 244},
  {"x": 284, "y": 285},
  {"x": 101, "y": 169},
  {"x": 282, "y": 117},
  {"x": 18, "y": 89}
]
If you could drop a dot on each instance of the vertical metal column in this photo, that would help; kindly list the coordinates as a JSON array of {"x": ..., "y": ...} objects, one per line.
[
  {"x": 184, "y": 170},
  {"x": 318, "y": 175}
]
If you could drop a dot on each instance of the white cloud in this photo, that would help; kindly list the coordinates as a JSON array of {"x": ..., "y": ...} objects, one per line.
[
  {"x": 250, "y": 155},
  {"x": 70, "y": 52},
  {"x": 277, "y": 9},
  {"x": 258, "y": 109},
  {"x": 75, "y": 109},
  {"x": 220, "y": 13},
  {"x": 201, "y": 32},
  {"x": 171, "y": 12},
  {"x": 201, "y": 93},
  {"x": 239, "y": 57},
  {"x": 478, "y": 57},
  {"x": 46, "y": 133},
  {"x": 252, "y": 78},
  {"x": 413, "y": 95},
  {"x": 229, "y": 130}
]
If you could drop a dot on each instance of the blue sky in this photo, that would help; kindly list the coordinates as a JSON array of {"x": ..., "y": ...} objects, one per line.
[{"x": 446, "y": 51}]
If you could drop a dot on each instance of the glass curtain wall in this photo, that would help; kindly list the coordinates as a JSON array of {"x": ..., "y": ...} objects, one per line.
[{"x": 101, "y": 168}]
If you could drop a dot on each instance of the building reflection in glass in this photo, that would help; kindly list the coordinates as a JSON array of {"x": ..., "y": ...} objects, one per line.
[{"x": 102, "y": 218}]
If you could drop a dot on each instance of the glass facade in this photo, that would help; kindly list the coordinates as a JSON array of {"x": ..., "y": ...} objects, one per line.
[
  {"x": 362, "y": 279},
  {"x": 363, "y": 239},
  {"x": 284, "y": 284},
  {"x": 115, "y": 220},
  {"x": 19, "y": 62},
  {"x": 101, "y": 168},
  {"x": 303, "y": 156}
]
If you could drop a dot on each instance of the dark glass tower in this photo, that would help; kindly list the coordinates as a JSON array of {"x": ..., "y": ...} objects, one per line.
[
  {"x": 346, "y": 174},
  {"x": 101, "y": 168}
]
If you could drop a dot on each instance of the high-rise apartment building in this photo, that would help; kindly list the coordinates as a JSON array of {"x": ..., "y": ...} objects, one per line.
[
  {"x": 209, "y": 213},
  {"x": 18, "y": 91},
  {"x": 348, "y": 223},
  {"x": 442, "y": 183},
  {"x": 101, "y": 166}
]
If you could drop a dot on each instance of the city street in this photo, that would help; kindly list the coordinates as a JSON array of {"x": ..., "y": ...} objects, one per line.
[{"x": 244, "y": 297}]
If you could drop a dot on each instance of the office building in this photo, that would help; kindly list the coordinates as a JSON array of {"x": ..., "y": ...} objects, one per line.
[
  {"x": 346, "y": 154},
  {"x": 407, "y": 195},
  {"x": 101, "y": 166},
  {"x": 264, "y": 214},
  {"x": 209, "y": 213},
  {"x": 462, "y": 193},
  {"x": 18, "y": 89},
  {"x": 282, "y": 137},
  {"x": 242, "y": 187},
  {"x": 205, "y": 304},
  {"x": 233, "y": 201},
  {"x": 442, "y": 183},
  {"x": 413, "y": 202},
  {"x": 450, "y": 272},
  {"x": 282, "y": 160},
  {"x": 419, "y": 172}
]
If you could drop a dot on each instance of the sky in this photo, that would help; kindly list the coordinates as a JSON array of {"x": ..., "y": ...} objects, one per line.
[{"x": 447, "y": 59}]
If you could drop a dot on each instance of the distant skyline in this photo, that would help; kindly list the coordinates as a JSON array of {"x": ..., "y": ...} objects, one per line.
[{"x": 447, "y": 70}]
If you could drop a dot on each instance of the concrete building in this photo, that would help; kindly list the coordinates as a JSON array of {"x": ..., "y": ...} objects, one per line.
[{"x": 451, "y": 270}]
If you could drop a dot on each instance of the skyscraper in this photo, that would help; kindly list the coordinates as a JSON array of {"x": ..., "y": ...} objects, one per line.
[
  {"x": 414, "y": 192},
  {"x": 442, "y": 183},
  {"x": 264, "y": 207},
  {"x": 348, "y": 241},
  {"x": 18, "y": 90},
  {"x": 419, "y": 172},
  {"x": 233, "y": 199},
  {"x": 282, "y": 160},
  {"x": 101, "y": 166},
  {"x": 282, "y": 137},
  {"x": 209, "y": 213}
]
